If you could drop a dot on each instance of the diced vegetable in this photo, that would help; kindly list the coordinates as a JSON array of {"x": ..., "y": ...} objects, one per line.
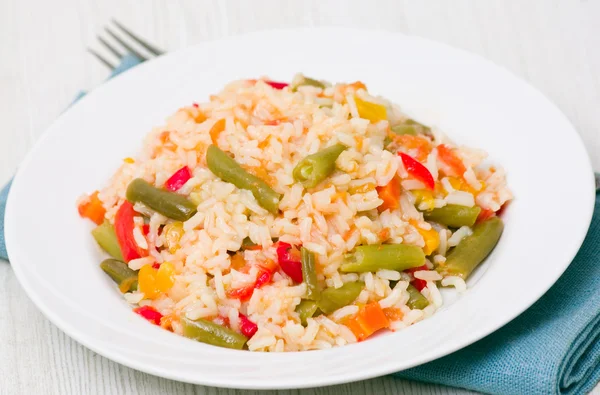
[
  {"x": 248, "y": 244},
  {"x": 92, "y": 208},
  {"x": 121, "y": 274},
  {"x": 306, "y": 81},
  {"x": 417, "y": 282},
  {"x": 369, "y": 319},
  {"x": 451, "y": 159},
  {"x": 264, "y": 276},
  {"x": 306, "y": 309},
  {"x": 410, "y": 127},
  {"x": 370, "y": 258},
  {"x": 153, "y": 283},
  {"x": 169, "y": 204},
  {"x": 309, "y": 274},
  {"x": 124, "y": 230},
  {"x": 216, "y": 129},
  {"x": 178, "y": 179},
  {"x": 453, "y": 215},
  {"x": 315, "y": 168},
  {"x": 485, "y": 214},
  {"x": 416, "y": 170},
  {"x": 277, "y": 85},
  {"x": 473, "y": 249},
  {"x": 335, "y": 298},
  {"x": 390, "y": 194},
  {"x": 172, "y": 234},
  {"x": 372, "y": 111},
  {"x": 149, "y": 313},
  {"x": 290, "y": 261},
  {"x": 208, "y": 332},
  {"x": 418, "y": 147},
  {"x": 424, "y": 196},
  {"x": 393, "y": 313},
  {"x": 247, "y": 327},
  {"x": 106, "y": 238},
  {"x": 416, "y": 299},
  {"x": 431, "y": 238},
  {"x": 230, "y": 171}
]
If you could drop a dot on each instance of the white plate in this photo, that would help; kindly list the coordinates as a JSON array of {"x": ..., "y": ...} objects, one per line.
[{"x": 474, "y": 101}]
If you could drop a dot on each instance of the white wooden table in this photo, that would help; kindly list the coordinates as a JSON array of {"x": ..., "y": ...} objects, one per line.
[{"x": 555, "y": 45}]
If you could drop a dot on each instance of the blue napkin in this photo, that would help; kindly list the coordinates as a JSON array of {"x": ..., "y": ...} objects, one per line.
[{"x": 552, "y": 348}]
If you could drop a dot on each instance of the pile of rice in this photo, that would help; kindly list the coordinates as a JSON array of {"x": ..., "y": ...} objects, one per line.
[{"x": 268, "y": 131}]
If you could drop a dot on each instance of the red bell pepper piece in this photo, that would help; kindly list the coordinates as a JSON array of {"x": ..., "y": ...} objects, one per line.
[
  {"x": 417, "y": 170},
  {"x": 247, "y": 327},
  {"x": 449, "y": 157},
  {"x": 277, "y": 85},
  {"x": 124, "y": 229},
  {"x": 264, "y": 277},
  {"x": 289, "y": 261},
  {"x": 417, "y": 282},
  {"x": 178, "y": 178},
  {"x": 149, "y": 313}
]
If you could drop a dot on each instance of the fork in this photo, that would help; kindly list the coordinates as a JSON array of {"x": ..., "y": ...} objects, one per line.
[{"x": 127, "y": 49}]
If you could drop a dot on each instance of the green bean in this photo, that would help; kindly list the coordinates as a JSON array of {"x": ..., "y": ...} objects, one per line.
[
  {"x": 473, "y": 249},
  {"x": 248, "y": 243},
  {"x": 309, "y": 274},
  {"x": 121, "y": 274},
  {"x": 228, "y": 170},
  {"x": 416, "y": 299},
  {"x": 315, "y": 168},
  {"x": 453, "y": 215},
  {"x": 308, "y": 81},
  {"x": 306, "y": 309},
  {"x": 210, "y": 333},
  {"x": 106, "y": 238},
  {"x": 335, "y": 298},
  {"x": 413, "y": 130},
  {"x": 169, "y": 204},
  {"x": 370, "y": 258}
]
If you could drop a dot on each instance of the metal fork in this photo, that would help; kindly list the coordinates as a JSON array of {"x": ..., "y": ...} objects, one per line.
[{"x": 127, "y": 49}]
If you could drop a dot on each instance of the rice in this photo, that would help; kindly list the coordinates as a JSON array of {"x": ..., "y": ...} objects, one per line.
[{"x": 216, "y": 274}]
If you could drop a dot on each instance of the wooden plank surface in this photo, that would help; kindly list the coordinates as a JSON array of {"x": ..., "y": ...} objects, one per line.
[{"x": 552, "y": 44}]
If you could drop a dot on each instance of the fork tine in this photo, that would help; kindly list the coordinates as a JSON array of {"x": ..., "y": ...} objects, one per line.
[
  {"x": 151, "y": 48},
  {"x": 102, "y": 59},
  {"x": 110, "y": 47},
  {"x": 125, "y": 45}
]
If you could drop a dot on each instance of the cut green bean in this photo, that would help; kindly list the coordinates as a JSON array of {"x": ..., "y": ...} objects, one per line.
[
  {"x": 453, "y": 215},
  {"x": 248, "y": 243},
  {"x": 210, "y": 333},
  {"x": 370, "y": 258},
  {"x": 335, "y": 298},
  {"x": 413, "y": 130},
  {"x": 169, "y": 204},
  {"x": 106, "y": 238},
  {"x": 306, "y": 81},
  {"x": 309, "y": 274},
  {"x": 315, "y": 168},
  {"x": 228, "y": 170},
  {"x": 473, "y": 249},
  {"x": 121, "y": 274},
  {"x": 416, "y": 299},
  {"x": 306, "y": 309}
]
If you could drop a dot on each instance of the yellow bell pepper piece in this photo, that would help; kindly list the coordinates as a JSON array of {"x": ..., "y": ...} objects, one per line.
[
  {"x": 371, "y": 111},
  {"x": 172, "y": 235},
  {"x": 155, "y": 282},
  {"x": 423, "y": 196},
  {"x": 431, "y": 238}
]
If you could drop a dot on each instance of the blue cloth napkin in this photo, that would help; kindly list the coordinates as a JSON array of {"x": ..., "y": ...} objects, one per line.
[{"x": 552, "y": 348}]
